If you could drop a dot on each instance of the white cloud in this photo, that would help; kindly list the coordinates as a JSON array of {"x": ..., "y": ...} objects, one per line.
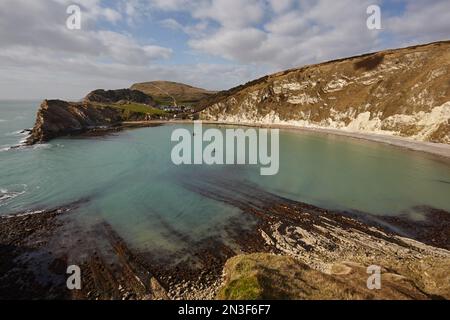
[
  {"x": 310, "y": 32},
  {"x": 280, "y": 6},
  {"x": 422, "y": 21},
  {"x": 37, "y": 75},
  {"x": 234, "y": 44},
  {"x": 92, "y": 10},
  {"x": 195, "y": 30},
  {"x": 40, "y": 56},
  {"x": 42, "y": 26},
  {"x": 231, "y": 13},
  {"x": 170, "y": 5},
  {"x": 122, "y": 48}
]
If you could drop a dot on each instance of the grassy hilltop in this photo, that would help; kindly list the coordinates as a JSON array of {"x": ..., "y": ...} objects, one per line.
[{"x": 164, "y": 92}]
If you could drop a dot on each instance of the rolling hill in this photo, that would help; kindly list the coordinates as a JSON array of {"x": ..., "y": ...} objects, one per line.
[{"x": 165, "y": 92}]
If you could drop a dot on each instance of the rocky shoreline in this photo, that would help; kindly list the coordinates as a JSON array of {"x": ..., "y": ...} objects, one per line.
[{"x": 37, "y": 248}]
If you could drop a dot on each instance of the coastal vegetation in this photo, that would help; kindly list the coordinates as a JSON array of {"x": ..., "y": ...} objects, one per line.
[
  {"x": 130, "y": 108},
  {"x": 263, "y": 276}
]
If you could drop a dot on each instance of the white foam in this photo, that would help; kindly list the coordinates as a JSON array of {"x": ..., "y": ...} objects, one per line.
[
  {"x": 22, "y": 132},
  {"x": 6, "y": 194},
  {"x": 27, "y": 213},
  {"x": 22, "y": 146},
  {"x": 9, "y": 196},
  {"x": 42, "y": 146}
]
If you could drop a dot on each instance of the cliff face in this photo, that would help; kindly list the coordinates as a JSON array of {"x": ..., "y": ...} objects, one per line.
[
  {"x": 403, "y": 92},
  {"x": 57, "y": 118},
  {"x": 100, "y": 109}
]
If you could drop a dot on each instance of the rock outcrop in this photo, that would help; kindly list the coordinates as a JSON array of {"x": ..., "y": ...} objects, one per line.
[
  {"x": 404, "y": 92},
  {"x": 57, "y": 118}
]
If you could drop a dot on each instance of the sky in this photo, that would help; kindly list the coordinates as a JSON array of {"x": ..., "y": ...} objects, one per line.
[{"x": 213, "y": 44}]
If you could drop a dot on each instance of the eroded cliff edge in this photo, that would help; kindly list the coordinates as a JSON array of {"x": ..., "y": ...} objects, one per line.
[
  {"x": 404, "y": 92},
  {"x": 100, "y": 109}
]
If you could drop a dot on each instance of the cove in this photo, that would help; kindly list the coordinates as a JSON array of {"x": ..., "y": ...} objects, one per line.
[{"x": 129, "y": 180}]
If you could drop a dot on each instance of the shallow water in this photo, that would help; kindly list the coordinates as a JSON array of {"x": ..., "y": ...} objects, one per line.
[{"x": 129, "y": 180}]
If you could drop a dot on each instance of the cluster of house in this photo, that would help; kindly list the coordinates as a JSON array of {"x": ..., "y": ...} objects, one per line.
[{"x": 179, "y": 109}]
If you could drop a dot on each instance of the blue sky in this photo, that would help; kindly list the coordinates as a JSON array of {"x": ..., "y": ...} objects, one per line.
[{"x": 215, "y": 44}]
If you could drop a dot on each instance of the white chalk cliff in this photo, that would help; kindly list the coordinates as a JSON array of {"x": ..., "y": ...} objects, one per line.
[{"x": 404, "y": 92}]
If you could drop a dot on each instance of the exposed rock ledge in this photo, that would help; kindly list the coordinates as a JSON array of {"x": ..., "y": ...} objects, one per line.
[{"x": 304, "y": 253}]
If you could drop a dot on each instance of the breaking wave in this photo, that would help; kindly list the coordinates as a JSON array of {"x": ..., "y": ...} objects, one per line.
[
  {"x": 23, "y": 146},
  {"x": 23, "y": 132},
  {"x": 11, "y": 192}
]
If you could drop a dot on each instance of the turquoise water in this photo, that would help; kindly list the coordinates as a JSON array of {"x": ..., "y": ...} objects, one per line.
[{"x": 128, "y": 179}]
